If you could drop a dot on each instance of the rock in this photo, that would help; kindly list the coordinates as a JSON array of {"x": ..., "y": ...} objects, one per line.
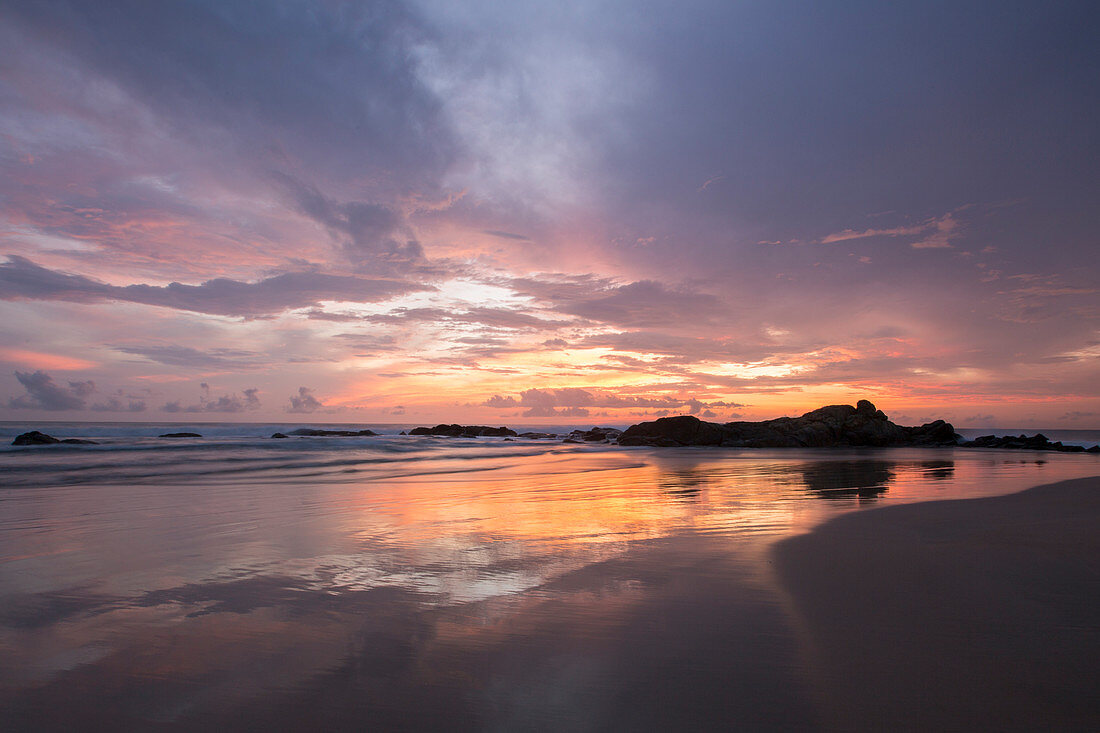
[
  {"x": 596, "y": 435},
  {"x": 1025, "y": 442},
  {"x": 331, "y": 433},
  {"x": 682, "y": 430},
  {"x": 933, "y": 433},
  {"x": 825, "y": 427},
  {"x": 35, "y": 437},
  {"x": 538, "y": 436},
  {"x": 181, "y": 435},
  {"x": 465, "y": 431},
  {"x": 402, "y": 433},
  {"x": 277, "y": 435}
]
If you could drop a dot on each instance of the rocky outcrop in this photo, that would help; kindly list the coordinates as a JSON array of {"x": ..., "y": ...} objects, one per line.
[
  {"x": 465, "y": 431},
  {"x": 34, "y": 437},
  {"x": 595, "y": 435},
  {"x": 181, "y": 435},
  {"x": 330, "y": 433},
  {"x": 538, "y": 436},
  {"x": 826, "y": 427},
  {"x": 1024, "y": 442}
]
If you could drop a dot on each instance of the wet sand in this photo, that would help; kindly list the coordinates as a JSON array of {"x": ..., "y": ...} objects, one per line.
[{"x": 976, "y": 614}]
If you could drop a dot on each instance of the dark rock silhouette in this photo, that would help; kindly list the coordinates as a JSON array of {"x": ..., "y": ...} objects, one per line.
[
  {"x": 330, "y": 433},
  {"x": 538, "y": 436},
  {"x": 465, "y": 431},
  {"x": 35, "y": 437},
  {"x": 278, "y": 435},
  {"x": 826, "y": 427},
  {"x": 181, "y": 435},
  {"x": 600, "y": 435},
  {"x": 1024, "y": 442}
]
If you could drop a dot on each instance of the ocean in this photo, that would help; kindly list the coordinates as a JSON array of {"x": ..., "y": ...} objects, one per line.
[{"x": 422, "y": 583}]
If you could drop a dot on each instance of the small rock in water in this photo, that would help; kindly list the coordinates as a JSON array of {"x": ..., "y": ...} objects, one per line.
[
  {"x": 181, "y": 435},
  {"x": 278, "y": 435},
  {"x": 465, "y": 431},
  {"x": 35, "y": 437}
]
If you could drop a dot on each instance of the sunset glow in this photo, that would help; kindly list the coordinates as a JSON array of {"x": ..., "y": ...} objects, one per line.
[{"x": 529, "y": 217}]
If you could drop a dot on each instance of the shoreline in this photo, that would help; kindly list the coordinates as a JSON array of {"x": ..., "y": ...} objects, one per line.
[{"x": 963, "y": 614}]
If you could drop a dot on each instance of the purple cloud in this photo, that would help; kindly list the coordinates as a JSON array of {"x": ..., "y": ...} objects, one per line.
[
  {"x": 304, "y": 401},
  {"x": 45, "y": 394},
  {"x": 21, "y": 279},
  {"x": 248, "y": 400}
]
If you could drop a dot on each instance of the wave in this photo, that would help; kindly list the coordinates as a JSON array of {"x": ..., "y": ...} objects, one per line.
[{"x": 166, "y": 460}]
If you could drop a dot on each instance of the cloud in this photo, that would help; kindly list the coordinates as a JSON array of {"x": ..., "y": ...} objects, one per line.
[
  {"x": 641, "y": 304},
  {"x": 115, "y": 403},
  {"x": 337, "y": 86},
  {"x": 849, "y": 234},
  {"x": 372, "y": 235},
  {"x": 568, "y": 401},
  {"x": 186, "y": 356},
  {"x": 1075, "y": 415},
  {"x": 931, "y": 234},
  {"x": 21, "y": 279},
  {"x": 248, "y": 400},
  {"x": 507, "y": 318},
  {"x": 304, "y": 401},
  {"x": 44, "y": 394},
  {"x": 506, "y": 235}
]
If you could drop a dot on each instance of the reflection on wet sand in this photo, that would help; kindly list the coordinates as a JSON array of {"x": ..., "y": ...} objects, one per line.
[
  {"x": 866, "y": 479},
  {"x": 591, "y": 590}
]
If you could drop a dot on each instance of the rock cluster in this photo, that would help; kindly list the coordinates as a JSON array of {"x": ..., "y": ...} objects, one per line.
[
  {"x": 1024, "y": 442},
  {"x": 34, "y": 437},
  {"x": 465, "y": 431},
  {"x": 595, "y": 435},
  {"x": 329, "y": 433},
  {"x": 826, "y": 427}
]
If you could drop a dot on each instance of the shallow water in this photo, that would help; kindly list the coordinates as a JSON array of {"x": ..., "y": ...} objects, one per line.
[{"x": 424, "y": 583}]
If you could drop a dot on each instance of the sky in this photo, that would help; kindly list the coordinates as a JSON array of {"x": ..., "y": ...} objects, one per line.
[{"x": 571, "y": 212}]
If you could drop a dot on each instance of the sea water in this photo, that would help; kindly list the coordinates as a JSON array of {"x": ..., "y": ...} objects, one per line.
[{"x": 238, "y": 581}]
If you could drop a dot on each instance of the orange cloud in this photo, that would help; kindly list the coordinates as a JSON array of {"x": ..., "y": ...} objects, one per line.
[{"x": 39, "y": 360}]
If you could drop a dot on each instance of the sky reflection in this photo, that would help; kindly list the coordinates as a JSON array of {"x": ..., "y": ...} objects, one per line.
[{"x": 538, "y": 590}]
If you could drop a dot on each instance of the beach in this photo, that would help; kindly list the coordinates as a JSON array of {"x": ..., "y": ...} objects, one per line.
[
  {"x": 975, "y": 614},
  {"x": 419, "y": 583}
]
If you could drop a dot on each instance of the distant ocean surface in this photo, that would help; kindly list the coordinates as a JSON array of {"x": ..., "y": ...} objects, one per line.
[{"x": 421, "y": 583}]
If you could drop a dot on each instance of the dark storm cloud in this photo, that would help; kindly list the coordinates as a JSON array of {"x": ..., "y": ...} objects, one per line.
[
  {"x": 45, "y": 394},
  {"x": 819, "y": 115},
  {"x": 332, "y": 84},
  {"x": 22, "y": 279}
]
